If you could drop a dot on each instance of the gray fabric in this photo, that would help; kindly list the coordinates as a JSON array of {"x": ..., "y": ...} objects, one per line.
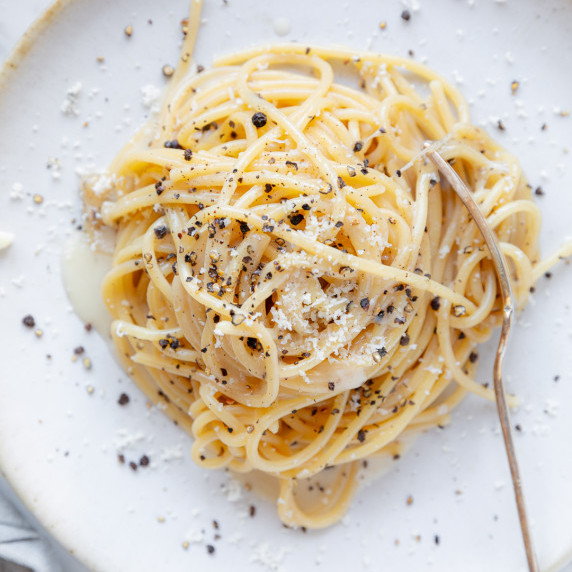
[{"x": 21, "y": 544}]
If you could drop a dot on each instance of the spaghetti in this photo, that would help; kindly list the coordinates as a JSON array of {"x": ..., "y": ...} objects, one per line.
[{"x": 291, "y": 281}]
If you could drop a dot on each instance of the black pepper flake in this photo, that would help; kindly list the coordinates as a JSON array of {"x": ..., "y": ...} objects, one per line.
[
  {"x": 252, "y": 343},
  {"x": 296, "y": 219},
  {"x": 29, "y": 321},
  {"x": 159, "y": 188},
  {"x": 331, "y": 385},
  {"x": 406, "y": 15},
  {"x": 267, "y": 187},
  {"x": 404, "y": 340},
  {"x": 473, "y": 357},
  {"x": 161, "y": 231},
  {"x": 188, "y": 154},
  {"x": 244, "y": 228},
  {"x": 292, "y": 164},
  {"x": 361, "y": 436},
  {"x": 123, "y": 399},
  {"x": 539, "y": 191},
  {"x": 172, "y": 144},
  {"x": 133, "y": 465},
  {"x": 251, "y": 510},
  {"x": 339, "y": 224},
  {"x": 358, "y": 146},
  {"x": 259, "y": 119},
  {"x": 364, "y": 303},
  {"x": 191, "y": 258},
  {"x": 437, "y": 539},
  {"x": 398, "y": 172},
  {"x": 436, "y": 303},
  {"x": 210, "y": 548},
  {"x": 144, "y": 461},
  {"x": 78, "y": 350}
]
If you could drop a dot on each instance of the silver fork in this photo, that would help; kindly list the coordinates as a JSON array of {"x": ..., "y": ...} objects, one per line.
[{"x": 508, "y": 309}]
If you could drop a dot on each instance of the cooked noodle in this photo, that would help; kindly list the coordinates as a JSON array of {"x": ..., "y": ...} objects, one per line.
[{"x": 291, "y": 281}]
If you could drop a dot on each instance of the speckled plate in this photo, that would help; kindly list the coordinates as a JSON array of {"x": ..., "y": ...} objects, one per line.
[{"x": 61, "y": 428}]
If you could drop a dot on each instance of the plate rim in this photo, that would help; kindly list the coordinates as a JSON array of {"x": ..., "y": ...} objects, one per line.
[{"x": 22, "y": 503}]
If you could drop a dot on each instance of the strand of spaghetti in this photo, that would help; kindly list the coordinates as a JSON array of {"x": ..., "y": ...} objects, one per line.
[
  {"x": 340, "y": 258},
  {"x": 123, "y": 328},
  {"x": 564, "y": 252},
  {"x": 182, "y": 68},
  {"x": 292, "y": 514},
  {"x": 355, "y": 56}
]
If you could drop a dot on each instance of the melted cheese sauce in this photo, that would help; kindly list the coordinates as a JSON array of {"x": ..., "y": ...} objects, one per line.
[{"x": 84, "y": 266}]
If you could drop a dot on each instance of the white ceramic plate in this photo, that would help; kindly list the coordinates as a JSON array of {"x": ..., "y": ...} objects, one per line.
[{"x": 59, "y": 442}]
